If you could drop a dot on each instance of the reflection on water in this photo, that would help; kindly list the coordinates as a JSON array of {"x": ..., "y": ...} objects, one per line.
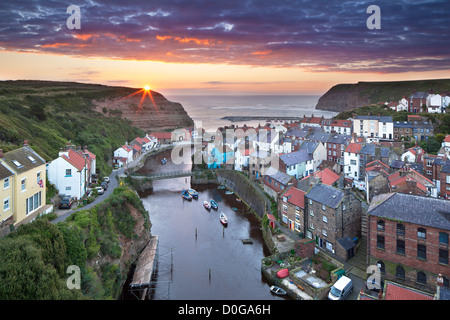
[{"x": 209, "y": 261}]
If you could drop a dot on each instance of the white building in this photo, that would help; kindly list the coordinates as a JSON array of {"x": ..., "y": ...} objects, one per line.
[
  {"x": 123, "y": 155},
  {"x": 403, "y": 105},
  {"x": 434, "y": 103},
  {"x": 352, "y": 161},
  {"x": 373, "y": 126},
  {"x": 70, "y": 173}
]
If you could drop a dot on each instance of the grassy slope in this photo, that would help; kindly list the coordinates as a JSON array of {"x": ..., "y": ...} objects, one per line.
[{"x": 49, "y": 114}]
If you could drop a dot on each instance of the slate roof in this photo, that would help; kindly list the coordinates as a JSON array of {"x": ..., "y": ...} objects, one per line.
[
  {"x": 368, "y": 149},
  {"x": 339, "y": 138},
  {"x": 397, "y": 164},
  {"x": 279, "y": 176},
  {"x": 327, "y": 195},
  {"x": 4, "y": 172},
  {"x": 417, "y": 167},
  {"x": 309, "y": 146},
  {"x": 419, "y": 95},
  {"x": 319, "y": 136},
  {"x": 20, "y": 156},
  {"x": 347, "y": 243},
  {"x": 379, "y": 118},
  {"x": 295, "y": 157},
  {"x": 404, "y": 207},
  {"x": 446, "y": 167}
]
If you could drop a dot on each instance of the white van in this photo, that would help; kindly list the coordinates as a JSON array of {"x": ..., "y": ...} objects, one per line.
[{"x": 341, "y": 289}]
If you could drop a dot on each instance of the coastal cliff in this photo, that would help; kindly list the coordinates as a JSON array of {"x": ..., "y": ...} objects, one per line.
[{"x": 345, "y": 97}]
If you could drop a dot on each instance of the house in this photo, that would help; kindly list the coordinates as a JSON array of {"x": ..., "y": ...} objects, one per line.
[
  {"x": 351, "y": 161},
  {"x": 417, "y": 101},
  {"x": 241, "y": 158},
  {"x": 408, "y": 238},
  {"x": 445, "y": 147},
  {"x": 291, "y": 207},
  {"x": 6, "y": 192},
  {"x": 259, "y": 162},
  {"x": 432, "y": 166},
  {"x": 403, "y": 129},
  {"x": 317, "y": 150},
  {"x": 275, "y": 182},
  {"x": 413, "y": 155},
  {"x": 434, "y": 103},
  {"x": 445, "y": 181},
  {"x": 70, "y": 172},
  {"x": 163, "y": 137},
  {"x": 380, "y": 127},
  {"x": 25, "y": 191},
  {"x": 411, "y": 182},
  {"x": 311, "y": 121},
  {"x": 298, "y": 164},
  {"x": 332, "y": 214},
  {"x": 123, "y": 155},
  {"x": 336, "y": 146},
  {"x": 422, "y": 130},
  {"x": 376, "y": 179},
  {"x": 219, "y": 155}
]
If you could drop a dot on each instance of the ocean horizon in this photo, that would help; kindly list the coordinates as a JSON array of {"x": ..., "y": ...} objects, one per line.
[{"x": 207, "y": 110}]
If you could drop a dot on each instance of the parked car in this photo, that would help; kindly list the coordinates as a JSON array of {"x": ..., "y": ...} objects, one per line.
[
  {"x": 341, "y": 289},
  {"x": 99, "y": 190},
  {"x": 104, "y": 185},
  {"x": 106, "y": 179},
  {"x": 66, "y": 203}
]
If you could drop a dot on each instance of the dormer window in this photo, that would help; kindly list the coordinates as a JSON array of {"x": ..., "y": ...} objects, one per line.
[
  {"x": 17, "y": 163},
  {"x": 33, "y": 160}
]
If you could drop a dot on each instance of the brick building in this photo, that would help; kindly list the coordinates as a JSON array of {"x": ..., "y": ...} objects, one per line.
[
  {"x": 291, "y": 205},
  {"x": 332, "y": 214},
  {"x": 445, "y": 180},
  {"x": 408, "y": 238}
]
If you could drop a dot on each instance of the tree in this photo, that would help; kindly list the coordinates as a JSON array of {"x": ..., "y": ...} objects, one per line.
[{"x": 440, "y": 137}]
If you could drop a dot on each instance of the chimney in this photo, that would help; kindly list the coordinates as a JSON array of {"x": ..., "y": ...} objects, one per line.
[
  {"x": 25, "y": 143},
  {"x": 1, "y": 153}
]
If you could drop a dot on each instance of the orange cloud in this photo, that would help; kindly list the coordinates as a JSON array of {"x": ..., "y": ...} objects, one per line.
[
  {"x": 84, "y": 37},
  {"x": 133, "y": 40},
  {"x": 261, "y": 53},
  {"x": 54, "y": 45},
  {"x": 205, "y": 42}
]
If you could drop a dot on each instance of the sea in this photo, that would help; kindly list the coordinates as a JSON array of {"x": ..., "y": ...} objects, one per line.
[{"x": 207, "y": 110}]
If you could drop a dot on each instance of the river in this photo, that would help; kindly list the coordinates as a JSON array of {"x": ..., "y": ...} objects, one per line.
[{"x": 209, "y": 261}]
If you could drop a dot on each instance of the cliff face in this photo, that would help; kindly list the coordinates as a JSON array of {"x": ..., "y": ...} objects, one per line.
[
  {"x": 344, "y": 97},
  {"x": 149, "y": 112}
]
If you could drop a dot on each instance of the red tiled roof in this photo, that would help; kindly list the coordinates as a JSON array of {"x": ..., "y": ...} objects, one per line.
[
  {"x": 397, "y": 292},
  {"x": 394, "y": 176},
  {"x": 295, "y": 196},
  {"x": 271, "y": 217},
  {"x": 126, "y": 148},
  {"x": 353, "y": 148},
  {"x": 327, "y": 176},
  {"x": 75, "y": 159},
  {"x": 137, "y": 147},
  {"x": 162, "y": 135},
  {"x": 447, "y": 138}
]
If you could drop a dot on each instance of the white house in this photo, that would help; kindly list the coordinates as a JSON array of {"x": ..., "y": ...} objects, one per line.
[
  {"x": 317, "y": 150},
  {"x": 123, "y": 155},
  {"x": 434, "y": 103},
  {"x": 352, "y": 161},
  {"x": 69, "y": 173},
  {"x": 241, "y": 158},
  {"x": 374, "y": 126},
  {"x": 412, "y": 154},
  {"x": 403, "y": 105}
]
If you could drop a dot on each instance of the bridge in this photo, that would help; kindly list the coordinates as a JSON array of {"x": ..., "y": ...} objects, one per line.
[{"x": 166, "y": 175}]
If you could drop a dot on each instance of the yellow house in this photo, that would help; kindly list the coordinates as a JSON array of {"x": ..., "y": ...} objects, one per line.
[
  {"x": 28, "y": 186},
  {"x": 6, "y": 193}
]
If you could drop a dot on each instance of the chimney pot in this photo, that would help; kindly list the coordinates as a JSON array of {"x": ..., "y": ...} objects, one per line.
[{"x": 25, "y": 143}]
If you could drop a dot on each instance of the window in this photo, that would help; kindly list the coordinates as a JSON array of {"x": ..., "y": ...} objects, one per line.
[
  {"x": 33, "y": 202},
  {"x": 323, "y": 207},
  {"x": 6, "y": 204},
  {"x": 400, "y": 229},
  {"x": 38, "y": 177},
  {"x": 324, "y": 232},
  {"x": 400, "y": 246},
  {"x": 421, "y": 277},
  {"x": 447, "y": 179},
  {"x": 311, "y": 225},
  {"x": 429, "y": 172},
  {"x": 310, "y": 201},
  {"x": 380, "y": 242},
  {"x": 31, "y": 159},
  {"x": 325, "y": 219},
  {"x": 68, "y": 188},
  {"x": 380, "y": 225},
  {"x": 297, "y": 217},
  {"x": 443, "y": 256},
  {"x": 343, "y": 206},
  {"x": 443, "y": 238},
  {"x": 380, "y": 264},
  {"x": 284, "y": 199},
  {"x": 23, "y": 184},
  {"x": 400, "y": 272},
  {"x": 6, "y": 183},
  {"x": 311, "y": 212},
  {"x": 421, "y": 233},
  {"x": 422, "y": 251}
]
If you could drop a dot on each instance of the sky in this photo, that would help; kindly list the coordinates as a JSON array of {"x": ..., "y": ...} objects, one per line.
[{"x": 225, "y": 47}]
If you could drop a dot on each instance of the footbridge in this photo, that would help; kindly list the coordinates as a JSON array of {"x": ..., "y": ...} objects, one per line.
[{"x": 165, "y": 175}]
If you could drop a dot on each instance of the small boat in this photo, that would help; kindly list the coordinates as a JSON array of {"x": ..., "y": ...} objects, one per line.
[
  {"x": 186, "y": 195},
  {"x": 234, "y": 209},
  {"x": 193, "y": 193},
  {"x": 164, "y": 161},
  {"x": 223, "y": 219},
  {"x": 283, "y": 273},
  {"x": 214, "y": 204},
  {"x": 229, "y": 192},
  {"x": 221, "y": 187},
  {"x": 206, "y": 205},
  {"x": 238, "y": 200},
  {"x": 277, "y": 290}
]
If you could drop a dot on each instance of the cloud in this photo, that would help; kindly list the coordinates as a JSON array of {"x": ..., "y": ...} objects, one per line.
[{"x": 316, "y": 36}]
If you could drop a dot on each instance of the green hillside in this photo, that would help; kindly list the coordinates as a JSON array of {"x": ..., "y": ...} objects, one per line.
[{"x": 49, "y": 114}]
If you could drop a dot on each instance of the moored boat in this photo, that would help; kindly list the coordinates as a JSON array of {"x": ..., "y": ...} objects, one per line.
[
  {"x": 214, "y": 204},
  {"x": 206, "y": 205},
  {"x": 186, "y": 195},
  {"x": 223, "y": 219},
  {"x": 164, "y": 161},
  {"x": 278, "y": 290},
  {"x": 229, "y": 192},
  {"x": 193, "y": 193},
  {"x": 283, "y": 273}
]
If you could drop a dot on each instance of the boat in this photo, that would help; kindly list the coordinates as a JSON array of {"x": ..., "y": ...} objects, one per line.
[
  {"x": 234, "y": 209},
  {"x": 206, "y": 205},
  {"x": 193, "y": 193},
  {"x": 238, "y": 200},
  {"x": 221, "y": 187},
  {"x": 223, "y": 219},
  {"x": 186, "y": 195},
  {"x": 164, "y": 161},
  {"x": 229, "y": 192},
  {"x": 283, "y": 273},
  {"x": 277, "y": 290},
  {"x": 214, "y": 204}
]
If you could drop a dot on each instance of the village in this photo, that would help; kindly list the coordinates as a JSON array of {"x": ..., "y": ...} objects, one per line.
[{"x": 340, "y": 186}]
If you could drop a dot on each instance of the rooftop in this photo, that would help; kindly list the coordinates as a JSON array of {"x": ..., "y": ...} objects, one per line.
[
  {"x": 327, "y": 195},
  {"x": 295, "y": 157},
  {"x": 295, "y": 196}
]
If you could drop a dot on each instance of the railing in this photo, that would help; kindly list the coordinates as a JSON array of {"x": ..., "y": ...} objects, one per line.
[{"x": 167, "y": 175}]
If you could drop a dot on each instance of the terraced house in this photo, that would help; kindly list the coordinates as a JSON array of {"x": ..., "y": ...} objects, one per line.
[
  {"x": 408, "y": 238},
  {"x": 23, "y": 185}
]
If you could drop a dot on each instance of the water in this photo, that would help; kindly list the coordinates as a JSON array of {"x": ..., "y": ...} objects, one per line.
[
  {"x": 201, "y": 244},
  {"x": 207, "y": 110}
]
